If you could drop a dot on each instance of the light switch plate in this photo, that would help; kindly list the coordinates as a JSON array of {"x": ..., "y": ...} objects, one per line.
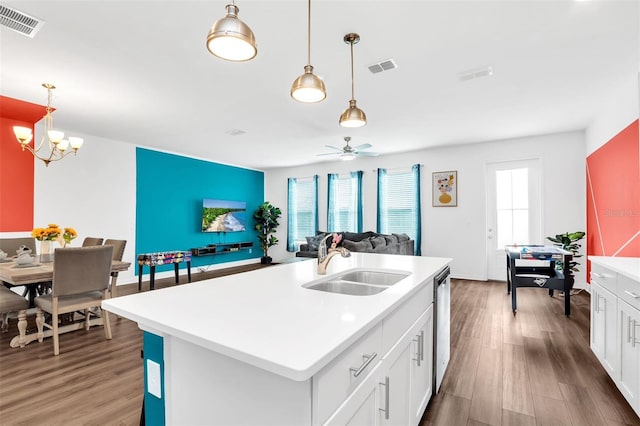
[{"x": 154, "y": 382}]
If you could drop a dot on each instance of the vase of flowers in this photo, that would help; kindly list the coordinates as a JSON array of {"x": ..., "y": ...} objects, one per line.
[{"x": 50, "y": 234}]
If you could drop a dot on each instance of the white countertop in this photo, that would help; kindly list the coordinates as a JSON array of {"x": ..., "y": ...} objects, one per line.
[
  {"x": 266, "y": 319},
  {"x": 628, "y": 266}
]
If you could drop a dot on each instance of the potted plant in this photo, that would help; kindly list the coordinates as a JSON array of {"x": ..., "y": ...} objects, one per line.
[
  {"x": 266, "y": 217},
  {"x": 569, "y": 241}
]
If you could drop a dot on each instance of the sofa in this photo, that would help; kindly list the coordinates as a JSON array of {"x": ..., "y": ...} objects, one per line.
[{"x": 365, "y": 242}]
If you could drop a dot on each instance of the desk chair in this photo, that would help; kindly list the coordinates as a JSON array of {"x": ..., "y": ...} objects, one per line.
[
  {"x": 92, "y": 241},
  {"x": 80, "y": 282},
  {"x": 118, "y": 253}
]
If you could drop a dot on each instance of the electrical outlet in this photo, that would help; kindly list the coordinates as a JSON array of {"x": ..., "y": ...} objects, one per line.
[{"x": 154, "y": 380}]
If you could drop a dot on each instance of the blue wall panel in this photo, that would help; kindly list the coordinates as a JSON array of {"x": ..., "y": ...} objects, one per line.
[
  {"x": 154, "y": 408},
  {"x": 169, "y": 194}
]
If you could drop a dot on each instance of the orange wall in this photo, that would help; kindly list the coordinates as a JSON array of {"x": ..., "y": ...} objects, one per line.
[
  {"x": 613, "y": 196},
  {"x": 16, "y": 167}
]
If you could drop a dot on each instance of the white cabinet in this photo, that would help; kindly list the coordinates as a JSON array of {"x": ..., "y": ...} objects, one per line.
[
  {"x": 629, "y": 338},
  {"x": 615, "y": 323},
  {"x": 398, "y": 384},
  {"x": 394, "y": 404},
  {"x": 422, "y": 367},
  {"x": 604, "y": 313}
]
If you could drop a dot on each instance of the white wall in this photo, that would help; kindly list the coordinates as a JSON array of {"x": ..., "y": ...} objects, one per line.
[
  {"x": 459, "y": 232},
  {"x": 94, "y": 193},
  {"x": 619, "y": 110}
]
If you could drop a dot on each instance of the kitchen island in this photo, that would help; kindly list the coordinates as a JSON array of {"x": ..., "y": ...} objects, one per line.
[{"x": 259, "y": 348}]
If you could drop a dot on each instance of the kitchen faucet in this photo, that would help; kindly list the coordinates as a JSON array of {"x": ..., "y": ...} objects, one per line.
[{"x": 325, "y": 255}]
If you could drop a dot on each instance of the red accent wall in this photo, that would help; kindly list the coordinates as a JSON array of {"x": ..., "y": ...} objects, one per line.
[
  {"x": 613, "y": 196},
  {"x": 16, "y": 167}
]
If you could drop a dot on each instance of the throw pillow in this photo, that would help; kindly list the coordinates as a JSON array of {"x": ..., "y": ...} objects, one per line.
[
  {"x": 358, "y": 246},
  {"x": 402, "y": 237},
  {"x": 378, "y": 241},
  {"x": 314, "y": 242},
  {"x": 391, "y": 239}
]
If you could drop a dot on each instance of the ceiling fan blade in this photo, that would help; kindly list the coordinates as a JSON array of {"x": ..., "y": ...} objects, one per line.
[
  {"x": 330, "y": 153},
  {"x": 367, "y": 154},
  {"x": 363, "y": 146}
]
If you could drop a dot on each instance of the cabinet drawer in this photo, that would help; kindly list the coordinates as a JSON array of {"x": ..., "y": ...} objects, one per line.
[
  {"x": 334, "y": 383},
  {"x": 605, "y": 277},
  {"x": 629, "y": 291},
  {"x": 399, "y": 321}
]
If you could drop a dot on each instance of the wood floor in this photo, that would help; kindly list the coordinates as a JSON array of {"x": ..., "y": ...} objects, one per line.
[{"x": 534, "y": 369}]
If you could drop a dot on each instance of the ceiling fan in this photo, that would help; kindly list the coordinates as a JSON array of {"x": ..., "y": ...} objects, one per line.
[{"x": 349, "y": 152}]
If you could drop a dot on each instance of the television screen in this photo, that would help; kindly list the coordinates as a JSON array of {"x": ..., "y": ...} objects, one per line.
[{"x": 223, "y": 216}]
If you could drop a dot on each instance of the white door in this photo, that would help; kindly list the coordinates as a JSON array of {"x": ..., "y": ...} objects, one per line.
[
  {"x": 513, "y": 210},
  {"x": 422, "y": 367}
]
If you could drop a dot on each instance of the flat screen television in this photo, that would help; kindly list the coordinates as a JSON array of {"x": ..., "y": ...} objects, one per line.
[{"x": 223, "y": 216}]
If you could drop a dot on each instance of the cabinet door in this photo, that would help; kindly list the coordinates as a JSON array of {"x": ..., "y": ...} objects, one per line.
[
  {"x": 604, "y": 329},
  {"x": 395, "y": 386},
  {"x": 422, "y": 367},
  {"x": 629, "y": 338},
  {"x": 361, "y": 407}
]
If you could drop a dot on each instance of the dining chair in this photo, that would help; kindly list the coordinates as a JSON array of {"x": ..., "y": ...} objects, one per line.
[
  {"x": 118, "y": 253},
  {"x": 11, "y": 302},
  {"x": 80, "y": 282},
  {"x": 92, "y": 241},
  {"x": 10, "y": 245}
]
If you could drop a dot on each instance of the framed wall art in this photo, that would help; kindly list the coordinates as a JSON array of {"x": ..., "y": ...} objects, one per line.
[{"x": 445, "y": 189}]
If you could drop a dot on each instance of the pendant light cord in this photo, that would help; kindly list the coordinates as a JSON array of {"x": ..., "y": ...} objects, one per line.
[
  {"x": 352, "y": 74},
  {"x": 309, "y": 33}
]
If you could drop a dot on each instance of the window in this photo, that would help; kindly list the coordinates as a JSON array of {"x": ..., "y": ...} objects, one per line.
[
  {"x": 512, "y": 206},
  {"x": 345, "y": 202},
  {"x": 302, "y": 210},
  {"x": 399, "y": 203}
]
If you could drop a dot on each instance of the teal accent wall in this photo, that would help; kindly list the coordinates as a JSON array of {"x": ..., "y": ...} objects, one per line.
[
  {"x": 169, "y": 193},
  {"x": 154, "y": 409}
]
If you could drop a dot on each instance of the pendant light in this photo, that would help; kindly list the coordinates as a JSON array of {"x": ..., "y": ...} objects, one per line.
[
  {"x": 352, "y": 116},
  {"x": 231, "y": 39},
  {"x": 308, "y": 87}
]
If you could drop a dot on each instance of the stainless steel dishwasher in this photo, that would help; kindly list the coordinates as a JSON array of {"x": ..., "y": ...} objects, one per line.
[{"x": 441, "y": 326}]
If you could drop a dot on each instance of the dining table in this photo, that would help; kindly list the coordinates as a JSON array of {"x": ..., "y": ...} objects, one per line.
[{"x": 38, "y": 274}]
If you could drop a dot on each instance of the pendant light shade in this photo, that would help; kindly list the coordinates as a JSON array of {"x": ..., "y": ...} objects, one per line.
[
  {"x": 308, "y": 87},
  {"x": 231, "y": 39},
  {"x": 352, "y": 116}
]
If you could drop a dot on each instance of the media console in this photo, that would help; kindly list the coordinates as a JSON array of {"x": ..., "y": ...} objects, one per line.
[{"x": 221, "y": 248}]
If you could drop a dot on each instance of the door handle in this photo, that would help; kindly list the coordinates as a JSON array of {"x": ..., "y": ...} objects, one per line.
[
  {"x": 367, "y": 360},
  {"x": 419, "y": 347},
  {"x": 386, "y": 398},
  {"x": 632, "y": 294}
]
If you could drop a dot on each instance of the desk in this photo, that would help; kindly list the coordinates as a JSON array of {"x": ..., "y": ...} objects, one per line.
[
  {"x": 535, "y": 266},
  {"x": 162, "y": 258},
  {"x": 35, "y": 275}
]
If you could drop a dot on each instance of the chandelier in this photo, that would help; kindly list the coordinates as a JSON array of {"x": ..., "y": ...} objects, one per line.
[{"x": 58, "y": 146}]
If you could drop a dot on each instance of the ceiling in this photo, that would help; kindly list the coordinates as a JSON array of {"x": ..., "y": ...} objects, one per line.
[{"x": 139, "y": 72}]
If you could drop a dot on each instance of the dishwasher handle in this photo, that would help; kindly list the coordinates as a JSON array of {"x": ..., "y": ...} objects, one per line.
[{"x": 441, "y": 278}]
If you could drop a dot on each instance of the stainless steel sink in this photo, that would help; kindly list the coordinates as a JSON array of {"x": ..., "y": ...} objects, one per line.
[
  {"x": 346, "y": 287},
  {"x": 358, "y": 282},
  {"x": 374, "y": 277}
]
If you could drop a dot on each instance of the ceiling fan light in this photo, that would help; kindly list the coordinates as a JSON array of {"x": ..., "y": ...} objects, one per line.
[
  {"x": 308, "y": 88},
  {"x": 231, "y": 39},
  {"x": 347, "y": 156},
  {"x": 353, "y": 116}
]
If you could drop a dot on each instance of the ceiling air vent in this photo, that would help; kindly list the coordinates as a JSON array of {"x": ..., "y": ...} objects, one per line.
[
  {"x": 475, "y": 73},
  {"x": 19, "y": 22},
  {"x": 387, "y": 65}
]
